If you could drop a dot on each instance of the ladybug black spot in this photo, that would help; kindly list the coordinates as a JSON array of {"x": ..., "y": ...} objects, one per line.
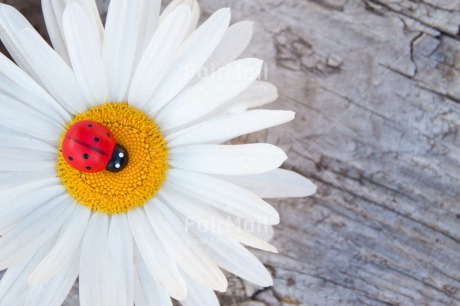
[
  {"x": 88, "y": 168},
  {"x": 90, "y": 125},
  {"x": 70, "y": 158},
  {"x": 108, "y": 135},
  {"x": 85, "y": 156},
  {"x": 96, "y": 139}
]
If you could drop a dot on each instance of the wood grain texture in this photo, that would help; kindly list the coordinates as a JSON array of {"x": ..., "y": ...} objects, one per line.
[{"x": 376, "y": 88}]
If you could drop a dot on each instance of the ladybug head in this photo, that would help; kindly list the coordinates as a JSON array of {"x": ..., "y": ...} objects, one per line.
[{"x": 119, "y": 159}]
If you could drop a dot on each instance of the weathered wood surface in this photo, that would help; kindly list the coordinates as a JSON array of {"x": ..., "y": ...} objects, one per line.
[{"x": 376, "y": 88}]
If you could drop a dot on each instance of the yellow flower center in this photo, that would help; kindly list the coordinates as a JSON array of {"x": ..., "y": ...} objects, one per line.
[{"x": 113, "y": 193}]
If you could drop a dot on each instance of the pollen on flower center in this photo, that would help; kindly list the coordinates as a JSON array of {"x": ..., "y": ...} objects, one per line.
[{"x": 113, "y": 193}]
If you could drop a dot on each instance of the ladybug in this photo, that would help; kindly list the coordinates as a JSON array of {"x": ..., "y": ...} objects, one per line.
[{"x": 90, "y": 147}]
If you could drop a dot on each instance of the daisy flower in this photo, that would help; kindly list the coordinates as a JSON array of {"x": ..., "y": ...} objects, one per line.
[{"x": 164, "y": 217}]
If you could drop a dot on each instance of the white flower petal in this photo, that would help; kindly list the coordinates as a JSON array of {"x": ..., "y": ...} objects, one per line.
[
  {"x": 38, "y": 59},
  {"x": 4, "y": 131},
  {"x": 13, "y": 212},
  {"x": 256, "y": 95},
  {"x": 188, "y": 255},
  {"x": 12, "y": 193},
  {"x": 222, "y": 195},
  {"x": 159, "y": 56},
  {"x": 262, "y": 231},
  {"x": 16, "y": 84},
  {"x": 227, "y": 159},
  {"x": 121, "y": 262},
  {"x": 14, "y": 159},
  {"x": 210, "y": 93},
  {"x": 25, "y": 165},
  {"x": 54, "y": 10},
  {"x": 194, "y": 52},
  {"x": 13, "y": 286},
  {"x": 92, "y": 11},
  {"x": 148, "y": 24},
  {"x": 11, "y": 22},
  {"x": 159, "y": 263},
  {"x": 67, "y": 244},
  {"x": 209, "y": 218},
  {"x": 55, "y": 75},
  {"x": 21, "y": 118},
  {"x": 235, "y": 258},
  {"x": 85, "y": 54},
  {"x": 147, "y": 291},
  {"x": 120, "y": 43},
  {"x": 20, "y": 154},
  {"x": 235, "y": 41},
  {"x": 10, "y": 179},
  {"x": 196, "y": 12},
  {"x": 18, "y": 142},
  {"x": 12, "y": 290},
  {"x": 32, "y": 232},
  {"x": 56, "y": 290},
  {"x": 94, "y": 266},
  {"x": 198, "y": 295},
  {"x": 278, "y": 183},
  {"x": 195, "y": 9},
  {"x": 224, "y": 128}
]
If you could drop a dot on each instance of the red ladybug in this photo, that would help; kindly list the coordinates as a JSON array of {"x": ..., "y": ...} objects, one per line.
[{"x": 90, "y": 147}]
